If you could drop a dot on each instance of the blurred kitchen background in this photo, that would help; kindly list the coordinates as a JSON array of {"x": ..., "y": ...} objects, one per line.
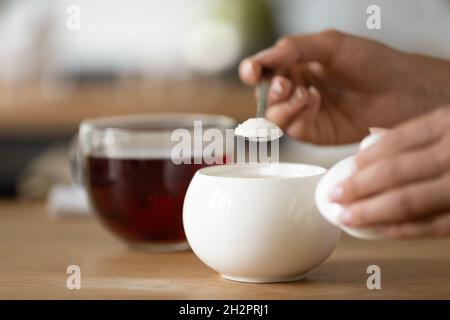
[{"x": 159, "y": 56}]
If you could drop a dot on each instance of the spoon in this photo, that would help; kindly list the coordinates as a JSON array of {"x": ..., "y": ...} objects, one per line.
[
  {"x": 259, "y": 129},
  {"x": 263, "y": 90}
]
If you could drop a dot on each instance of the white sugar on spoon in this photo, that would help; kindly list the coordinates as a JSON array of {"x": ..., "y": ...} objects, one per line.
[{"x": 259, "y": 129}]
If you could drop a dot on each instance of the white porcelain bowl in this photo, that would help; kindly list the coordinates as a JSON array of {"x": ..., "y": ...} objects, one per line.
[{"x": 256, "y": 223}]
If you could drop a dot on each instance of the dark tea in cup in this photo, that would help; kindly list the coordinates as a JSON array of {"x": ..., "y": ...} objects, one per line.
[
  {"x": 135, "y": 187},
  {"x": 140, "y": 199}
]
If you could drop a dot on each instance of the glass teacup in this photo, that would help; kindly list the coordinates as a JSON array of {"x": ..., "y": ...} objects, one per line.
[{"x": 136, "y": 188}]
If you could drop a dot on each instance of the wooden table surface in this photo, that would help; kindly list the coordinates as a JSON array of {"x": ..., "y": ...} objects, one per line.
[
  {"x": 26, "y": 110},
  {"x": 36, "y": 250}
]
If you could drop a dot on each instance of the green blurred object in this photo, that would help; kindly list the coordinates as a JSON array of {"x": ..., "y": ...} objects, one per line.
[
  {"x": 252, "y": 18},
  {"x": 228, "y": 31}
]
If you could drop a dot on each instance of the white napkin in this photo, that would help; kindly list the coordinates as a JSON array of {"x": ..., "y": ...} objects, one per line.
[{"x": 68, "y": 200}]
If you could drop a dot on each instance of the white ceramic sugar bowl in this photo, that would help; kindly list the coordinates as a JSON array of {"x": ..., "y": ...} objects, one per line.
[{"x": 253, "y": 227}]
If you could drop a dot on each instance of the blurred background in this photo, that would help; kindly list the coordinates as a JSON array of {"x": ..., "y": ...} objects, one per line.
[{"x": 64, "y": 61}]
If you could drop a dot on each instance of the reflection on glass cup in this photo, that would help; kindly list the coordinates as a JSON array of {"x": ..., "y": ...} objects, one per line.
[{"x": 133, "y": 184}]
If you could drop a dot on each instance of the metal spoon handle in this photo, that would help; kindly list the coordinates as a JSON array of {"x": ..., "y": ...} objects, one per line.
[{"x": 263, "y": 90}]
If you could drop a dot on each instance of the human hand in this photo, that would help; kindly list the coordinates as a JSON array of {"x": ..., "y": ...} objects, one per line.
[
  {"x": 329, "y": 87},
  {"x": 401, "y": 184}
]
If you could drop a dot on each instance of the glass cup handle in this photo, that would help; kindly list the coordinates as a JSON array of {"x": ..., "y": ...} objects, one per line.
[{"x": 76, "y": 161}]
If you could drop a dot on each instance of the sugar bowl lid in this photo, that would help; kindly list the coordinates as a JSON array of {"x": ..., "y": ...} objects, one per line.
[{"x": 340, "y": 171}]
